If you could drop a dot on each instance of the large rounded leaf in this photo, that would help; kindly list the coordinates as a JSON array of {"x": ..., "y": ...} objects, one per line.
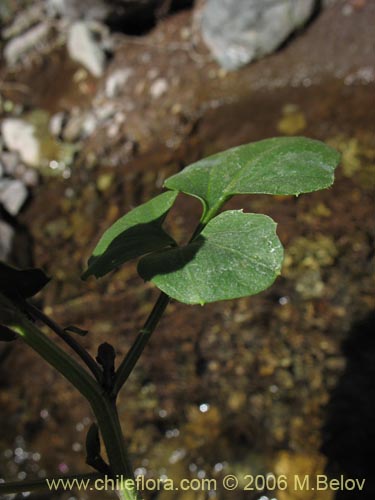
[
  {"x": 282, "y": 165},
  {"x": 136, "y": 233},
  {"x": 237, "y": 254}
]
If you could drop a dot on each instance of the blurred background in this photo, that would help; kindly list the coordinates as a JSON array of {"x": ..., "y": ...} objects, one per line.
[{"x": 100, "y": 101}]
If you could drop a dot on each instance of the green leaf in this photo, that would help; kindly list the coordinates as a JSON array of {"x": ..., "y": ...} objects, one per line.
[
  {"x": 21, "y": 283},
  {"x": 237, "y": 254},
  {"x": 283, "y": 166},
  {"x": 133, "y": 235},
  {"x": 6, "y": 334}
]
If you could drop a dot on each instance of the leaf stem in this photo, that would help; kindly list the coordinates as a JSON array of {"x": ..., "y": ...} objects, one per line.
[
  {"x": 130, "y": 360},
  {"x": 134, "y": 353},
  {"x": 210, "y": 214},
  {"x": 72, "y": 343}
]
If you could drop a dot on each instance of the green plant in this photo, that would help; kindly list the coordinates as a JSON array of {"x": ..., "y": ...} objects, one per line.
[{"x": 231, "y": 254}]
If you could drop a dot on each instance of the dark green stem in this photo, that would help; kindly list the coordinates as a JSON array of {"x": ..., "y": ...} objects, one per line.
[
  {"x": 101, "y": 403},
  {"x": 134, "y": 353},
  {"x": 210, "y": 214},
  {"x": 140, "y": 343},
  {"x": 72, "y": 343}
]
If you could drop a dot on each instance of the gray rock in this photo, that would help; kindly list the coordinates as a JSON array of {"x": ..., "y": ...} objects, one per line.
[
  {"x": 29, "y": 177},
  {"x": 84, "y": 49},
  {"x": 239, "y": 31},
  {"x": 13, "y": 194},
  {"x": 89, "y": 124},
  {"x": 19, "y": 136},
  {"x": 9, "y": 162},
  {"x": 56, "y": 123},
  {"x": 105, "y": 111},
  {"x": 6, "y": 239},
  {"x": 23, "y": 20},
  {"x": 96, "y": 10},
  {"x": 11, "y": 166},
  {"x": 158, "y": 88},
  {"x": 79, "y": 126},
  {"x": 19, "y": 46},
  {"x": 116, "y": 81},
  {"x": 72, "y": 131}
]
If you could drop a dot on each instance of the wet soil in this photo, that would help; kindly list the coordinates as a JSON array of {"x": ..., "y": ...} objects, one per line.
[{"x": 243, "y": 387}]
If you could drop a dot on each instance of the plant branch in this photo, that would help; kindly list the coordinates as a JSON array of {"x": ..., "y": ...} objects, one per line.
[
  {"x": 72, "y": 343},
  {"x": 130, "y": 360},
  {"x": 134, "y": 353},
  {"x": 101, "y": 403}
]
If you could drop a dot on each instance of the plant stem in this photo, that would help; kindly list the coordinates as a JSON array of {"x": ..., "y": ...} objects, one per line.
[
  {"x": 72, "y": 343},
  {"x": 110, "y": 428},
  {"x": 101, "y": 403},
  {"x": 130, "y": 360}
]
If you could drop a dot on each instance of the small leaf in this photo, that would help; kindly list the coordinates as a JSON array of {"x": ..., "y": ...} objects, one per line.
[
  {"x": 76, "y": 330},
  {"x": 106, "y": 356},
  {"x": 236, "y": 255},
  {"x": 21, "y": 283},
  {"x": 92, "y": 443},
  {"x": 6, "y": 334},
  {"x": 133, "y": 235},
  {"x": 282, "y": 165},
  {"x": 93, "y": 457}
]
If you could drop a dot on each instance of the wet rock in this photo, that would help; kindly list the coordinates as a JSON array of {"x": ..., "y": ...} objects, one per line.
[
  {"x": 159, "y": 88},
  {"x": 84, "y": 49},
  {"x": 239, "y": 31},
  {"x": 105, "y": 111},
  {"x": 28, "y": 176},
  {"x": 23, "y": 20},
  {"x": 56, "y": 123},
  {"x": 13, "y": 194},
  {"x": 11, "y": 166},
  {"x": 72, "y": 130},
  {"x": 8, "y": 163},
  {"x": 89, "y": 124},
  {"x": 76, "y": 9},
  {"x": 79, "y": 126},
  {"x": 116, "y": 81},
  {"x": 19, "y": 46},
  {"x": 19, "y": 136},
  {"x": 55, "y": 155},
  {"x": 6, "y": 239}
]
